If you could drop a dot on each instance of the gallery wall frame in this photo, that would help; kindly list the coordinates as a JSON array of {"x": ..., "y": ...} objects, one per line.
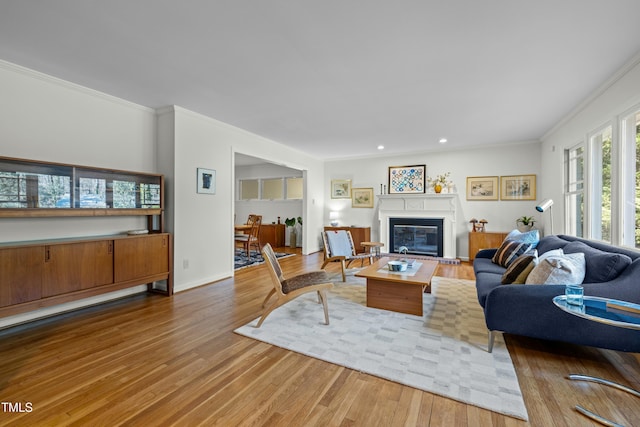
[
  {"x": 340, "y": 188},
  {"x": 407, "y": 179},
  {"x": 518, "y": 187},
  {"x": 362, "y": 197},
  {"x": 483, "y": 187},
  {"x": 206, "y": 181}
]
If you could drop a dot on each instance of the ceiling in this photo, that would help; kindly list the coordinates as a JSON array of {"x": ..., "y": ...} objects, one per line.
[{"x": 336, "y": 78}]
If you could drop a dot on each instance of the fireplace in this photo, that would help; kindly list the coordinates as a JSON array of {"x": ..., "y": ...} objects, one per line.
[
  {"x": 421, "y": 236},
  {"x": 440, "y": 207}
]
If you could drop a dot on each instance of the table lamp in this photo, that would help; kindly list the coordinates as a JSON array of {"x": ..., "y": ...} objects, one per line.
[{"x": 333, "y": 216}]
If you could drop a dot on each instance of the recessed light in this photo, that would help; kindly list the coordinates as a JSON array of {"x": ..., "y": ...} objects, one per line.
[
  {"x": 380, "y": 147},
  {"x": 443, "y": 140}
]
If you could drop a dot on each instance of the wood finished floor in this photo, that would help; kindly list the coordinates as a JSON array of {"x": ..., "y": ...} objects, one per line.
[{"x": 150, "y": 360}]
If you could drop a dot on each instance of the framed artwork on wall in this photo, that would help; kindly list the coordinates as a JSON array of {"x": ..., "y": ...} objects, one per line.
[
  {"x": 407, "y": 179},
  {"x": 482, "y": 187},
  {"x": 206, "y": 181},
  {"x": 362, "y": 197},
  {"x": 518, "y": 187},
  {"x": 340, "y": 188}
]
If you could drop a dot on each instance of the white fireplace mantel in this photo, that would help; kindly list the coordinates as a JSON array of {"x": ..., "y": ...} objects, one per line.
[{"x": 439, "y": 206}]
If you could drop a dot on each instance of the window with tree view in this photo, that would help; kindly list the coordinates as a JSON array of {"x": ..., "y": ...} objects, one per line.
[
  {"x": 601, "y": 202},
  {"x": 630, "y": 134},
  {"x": 26, "y": 184}
]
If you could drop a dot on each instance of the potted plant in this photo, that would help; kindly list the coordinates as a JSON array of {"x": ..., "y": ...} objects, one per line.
[
  {"x": 291, "y": 223},
  {"x": 525, "y": 223}
]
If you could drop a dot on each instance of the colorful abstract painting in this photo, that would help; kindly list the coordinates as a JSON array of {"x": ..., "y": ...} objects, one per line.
[{"x": 407, "y": 179}]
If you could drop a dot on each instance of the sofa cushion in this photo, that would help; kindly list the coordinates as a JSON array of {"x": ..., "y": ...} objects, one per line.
[
  {"x": 532, "y": 237},
  {"x": 558, "y": 270},
  {"x": 601, "y": 266},
  {"x": 519, "y": 269},
  {"x": 485, "y": 265},
  {"x": 509, "y": 251},
  {"x": 550, "y": 242}
]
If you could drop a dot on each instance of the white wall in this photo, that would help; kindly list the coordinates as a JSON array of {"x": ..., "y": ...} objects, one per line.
[
  {"x": 615, "y": 97},
  {"x": 203, "y": 224},
  {"x": 512, "y": 159}
]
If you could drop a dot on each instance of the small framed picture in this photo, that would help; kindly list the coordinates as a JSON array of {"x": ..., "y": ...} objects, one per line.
[
  {"x": 407, "y": 179},
  {"x": 518, "y": 187},
  {"x": 340, "y": 188},
  {"x": 206, "y": 181},
  {"x": 362, "y": 197},
  {"x": 482, "y": 187}
]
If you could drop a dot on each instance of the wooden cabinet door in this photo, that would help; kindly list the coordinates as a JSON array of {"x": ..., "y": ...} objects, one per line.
[
  {"x": 141, "y": 256},
  {"x": 76, "y": 266},
  {"x": 484, "y": 240},
  {"x": 20, "y": 275}
]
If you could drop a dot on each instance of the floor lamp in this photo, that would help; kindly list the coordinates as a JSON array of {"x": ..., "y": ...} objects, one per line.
[{"x": 543, "y": 206}]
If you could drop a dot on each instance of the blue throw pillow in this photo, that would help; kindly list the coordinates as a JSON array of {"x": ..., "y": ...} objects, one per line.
[{"x": 531, "y": 237}]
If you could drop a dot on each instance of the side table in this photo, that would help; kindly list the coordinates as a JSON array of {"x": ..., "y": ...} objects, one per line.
[
  {"x": 621, "y": 314},
  {"x": 373, "y": 248}
]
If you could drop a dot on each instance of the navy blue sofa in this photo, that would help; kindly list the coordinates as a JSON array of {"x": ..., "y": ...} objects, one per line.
[{"x": 528, "y": 310}]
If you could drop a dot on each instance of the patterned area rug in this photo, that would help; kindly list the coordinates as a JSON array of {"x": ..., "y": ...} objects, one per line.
[
  {"x": 444, "y": 352},
  {"x": 255, "y": 258}
]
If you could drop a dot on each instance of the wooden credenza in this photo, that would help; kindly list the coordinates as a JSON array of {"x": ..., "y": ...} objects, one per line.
[
  {"x": 44, "y": 273},
  {"x": 272, "y": 234},
  {"x": 359, "y": 235},
  {"x": 484, "y": 240}
]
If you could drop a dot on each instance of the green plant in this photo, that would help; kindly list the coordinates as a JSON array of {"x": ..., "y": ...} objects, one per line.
[
  {"x": 291, "y": 222},
  {"x": 526, "y": 220}
]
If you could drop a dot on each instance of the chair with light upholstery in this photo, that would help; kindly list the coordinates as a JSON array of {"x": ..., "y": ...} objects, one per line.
[
  {"x": 253, "y": 236},
  {"x": 286, "y": 290},
  {"x": 339, "y": 247}
]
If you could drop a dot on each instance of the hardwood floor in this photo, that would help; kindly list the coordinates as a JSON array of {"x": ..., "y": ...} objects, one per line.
[{"x": 152, "y": 360}]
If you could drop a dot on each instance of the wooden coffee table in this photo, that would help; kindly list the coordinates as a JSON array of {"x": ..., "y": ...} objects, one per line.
[{"x": 398, "y": 291}]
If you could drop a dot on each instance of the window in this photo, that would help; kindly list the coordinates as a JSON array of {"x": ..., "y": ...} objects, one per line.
[
  {"x": 574, "y": 191},
  {"x": 600, "y": 145},
  {"x": 249, "y": 189},
  {"x": 280, "y": 188},
  {"x": 294, "y": 188},
  {"x": 272, "y": 189},
  {"x": 630, "y": 178}
]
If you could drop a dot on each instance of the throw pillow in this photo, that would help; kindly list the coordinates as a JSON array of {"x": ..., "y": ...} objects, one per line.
[
  {"x": 601, "y": 266},
  {"x": 558, "y": 270},
  {"x": 519, "y": 269},
  {"x": 532, "y": 237},
  {"x": 509, "y": 251},
  {"x": 551, "y": 253}
]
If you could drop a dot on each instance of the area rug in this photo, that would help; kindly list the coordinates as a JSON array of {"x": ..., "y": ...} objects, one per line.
[
  {"x": 241, "y": 260},
  {"x": 443, "y": 352}
]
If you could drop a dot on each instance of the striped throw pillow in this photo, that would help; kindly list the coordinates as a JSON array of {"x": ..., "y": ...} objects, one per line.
[
  {"x": 509, "y": 251},
  {"x": 520, "y": 268}
]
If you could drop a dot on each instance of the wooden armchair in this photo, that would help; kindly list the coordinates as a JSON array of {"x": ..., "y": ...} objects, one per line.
[
  {"x": 338, "y": 246},
  {"x": 287, "y": 289}
]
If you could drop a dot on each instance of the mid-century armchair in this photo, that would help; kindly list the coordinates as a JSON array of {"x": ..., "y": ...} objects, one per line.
[
  {"x": 338, "y": 246},
  {"x": 286, "y": 290}
]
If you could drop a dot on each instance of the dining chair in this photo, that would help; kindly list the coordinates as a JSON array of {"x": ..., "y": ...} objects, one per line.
[
  {"x": 253, "y": 236},
  {"x": 286, "y": 290}
]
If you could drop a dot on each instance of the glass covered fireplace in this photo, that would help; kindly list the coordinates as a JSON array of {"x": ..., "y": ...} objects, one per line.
[{"x": 421, "y": 236}]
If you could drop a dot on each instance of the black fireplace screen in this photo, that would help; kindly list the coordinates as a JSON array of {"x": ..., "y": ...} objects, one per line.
[{"x": 421, "y": 236}]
